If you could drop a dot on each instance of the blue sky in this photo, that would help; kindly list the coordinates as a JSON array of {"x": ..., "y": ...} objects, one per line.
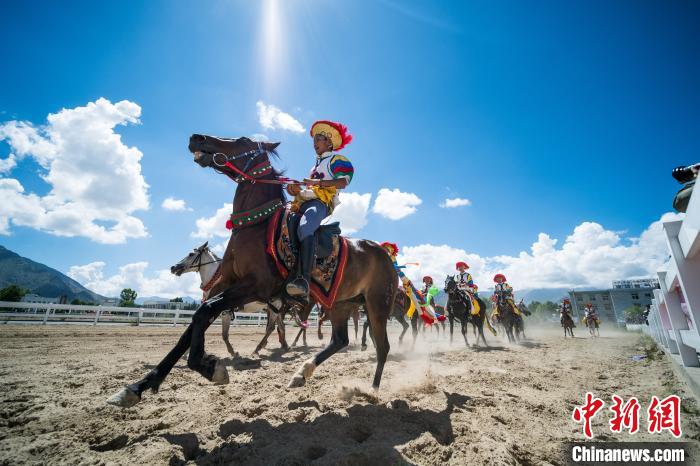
[{"x": 547, "y": 116}]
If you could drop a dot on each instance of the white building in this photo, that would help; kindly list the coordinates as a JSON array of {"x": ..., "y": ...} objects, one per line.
[
  {"x": 35, "y": 298},
  {"x": 674, "y": 317}
]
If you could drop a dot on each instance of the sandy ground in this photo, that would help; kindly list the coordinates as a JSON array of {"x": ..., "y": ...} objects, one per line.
[{"x": 440, "y": 404}]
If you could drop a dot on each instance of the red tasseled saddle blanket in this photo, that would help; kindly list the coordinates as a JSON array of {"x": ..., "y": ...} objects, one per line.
[{"x": 326, "y": 276}]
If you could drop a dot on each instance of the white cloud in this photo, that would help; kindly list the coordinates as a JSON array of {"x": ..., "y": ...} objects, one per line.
[
  {"x": 271, "y": 117},
  {"x": 259, "y": 137},
  {"x": 590, "y": 257},
  {"x": 351, "y": 212},
  {"x": 214, "y": 226},
  {"x": 456, "y": 202},
  {"x": 95, "y": 180},
  {"x": 394, "y": 204},
  {"x": 170, "y": 203},
  {"x": 160, "y": 283},
  {"x": 6, "y": 165},
  {"x": 435, "y": 260}
]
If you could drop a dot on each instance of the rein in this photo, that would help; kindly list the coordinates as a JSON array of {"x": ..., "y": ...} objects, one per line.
[
  {"x": 259, "y": 214},
  {"x": 256, "y": 173}
]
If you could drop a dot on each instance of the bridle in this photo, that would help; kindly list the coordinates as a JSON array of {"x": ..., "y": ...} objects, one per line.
[
  {"x": 200, "y": 264},
  {"x": 262, "y": 169}
]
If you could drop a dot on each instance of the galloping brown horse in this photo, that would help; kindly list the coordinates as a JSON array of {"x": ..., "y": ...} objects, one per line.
[
  {"x": 250, "y": 274},
  {"x": 568, "y": 323}
]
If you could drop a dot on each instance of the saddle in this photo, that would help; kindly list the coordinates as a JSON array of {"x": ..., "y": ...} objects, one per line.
[
  {"x": 325, "y": 235},
  {"x": 331, "y": 254}
]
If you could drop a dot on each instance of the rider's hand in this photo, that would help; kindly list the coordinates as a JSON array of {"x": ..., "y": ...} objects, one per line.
[{"x": 293, "y": 189}]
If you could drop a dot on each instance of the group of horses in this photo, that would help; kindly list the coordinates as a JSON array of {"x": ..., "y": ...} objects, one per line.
[
  {"x": 459, "y": 310},
  {"x": 246, "y": 277}
]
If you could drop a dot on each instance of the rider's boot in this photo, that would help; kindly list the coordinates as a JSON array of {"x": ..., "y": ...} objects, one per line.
[{"x": 299, "y": 287}]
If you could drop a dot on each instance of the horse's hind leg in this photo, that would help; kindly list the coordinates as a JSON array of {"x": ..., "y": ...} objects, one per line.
[
  {"x": 339, "y": 340},
  {"x": 378, "y": 315},
  {"x": 404, "y": 324},
  {"x": 481, "y": 333},
  {"x": 225, "y": 326},
  {"x": 464, "y": 333},
  {"x": 414, "y": 328}
]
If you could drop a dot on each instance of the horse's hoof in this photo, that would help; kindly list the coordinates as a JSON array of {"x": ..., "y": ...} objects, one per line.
[
  {"x": 363, "y": 348},
  {"x": 220, "y": 376},
  {"x": 297, "y": 381},
  {"x": 125, "y": 398}
]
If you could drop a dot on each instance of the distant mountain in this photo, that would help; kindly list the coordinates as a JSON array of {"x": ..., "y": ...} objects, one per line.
[
  {"x": 40, "y": 279},
  {"x": 142, "y": 299},
  {"x": 542, "y": 294}
]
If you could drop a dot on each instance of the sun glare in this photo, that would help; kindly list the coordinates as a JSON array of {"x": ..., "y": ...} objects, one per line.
[{"x": 272, "y": 53}]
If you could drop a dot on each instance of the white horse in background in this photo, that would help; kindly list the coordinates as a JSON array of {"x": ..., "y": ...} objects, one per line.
[{"x": 204, "y": 261}]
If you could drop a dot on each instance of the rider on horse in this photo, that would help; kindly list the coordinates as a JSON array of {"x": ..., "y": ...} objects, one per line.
[
  {"x": 464, "y": 278},
  {"x": 590, "y": 314},
  {"x": 330, "y": 173},
  {"x": 466, "y": 285},
  {"x": 565, "y": 311},
  {"x": 426, "y": 312},
  {"x": 503, "y": 294},
  {"x": 430, "y": 291}
]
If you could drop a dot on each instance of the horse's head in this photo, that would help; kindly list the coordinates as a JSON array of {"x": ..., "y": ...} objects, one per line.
[
  {"x": 450, "y": 284},
  {"x": 191, "y": 262},
  {"x": 232, "y": 156}
]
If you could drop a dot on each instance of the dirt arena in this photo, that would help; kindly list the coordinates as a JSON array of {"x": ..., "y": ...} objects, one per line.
[{"x": 441, "y": 404}]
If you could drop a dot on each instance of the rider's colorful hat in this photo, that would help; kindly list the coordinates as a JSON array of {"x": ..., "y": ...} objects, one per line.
[
  {"x": 392, "y": 247},
  {"x": 499, "y": 276},
  {"x": 427, "y": 279},
  {"x": 589, "y": 304},
  {"x": 566, "y": 300},
  {"x": 461, "y": 264},
  {"x": 337, "y": 133}
]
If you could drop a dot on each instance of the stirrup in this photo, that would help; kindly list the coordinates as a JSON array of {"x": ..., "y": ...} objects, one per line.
[{"x": 298, "y": 288}]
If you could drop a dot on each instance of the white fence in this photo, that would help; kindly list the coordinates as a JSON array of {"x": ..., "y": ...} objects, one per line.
[{"x": 42, "y": 313}]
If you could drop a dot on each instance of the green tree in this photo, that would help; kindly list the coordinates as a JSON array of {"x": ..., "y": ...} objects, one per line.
[
  {"x": 176, "y": 300},
  {"x": 127, "y": 298},
  {"x": 634, "y": 314},
  {"x": 12, "y": 293}
]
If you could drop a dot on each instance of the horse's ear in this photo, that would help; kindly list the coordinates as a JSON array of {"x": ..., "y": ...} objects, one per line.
[
  {"x": 270, "y": 145},
  {"x": 202, "y": 247}
]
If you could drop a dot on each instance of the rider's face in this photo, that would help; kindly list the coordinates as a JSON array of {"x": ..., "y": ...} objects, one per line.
[
  {"x": 322, "y": 144},
  {"x": 461, "y": 269}
]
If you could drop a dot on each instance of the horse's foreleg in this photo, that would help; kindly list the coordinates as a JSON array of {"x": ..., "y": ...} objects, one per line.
[
  {"x": 301, "y": 330},
  {"x": 269, "y": 328},
  {"x": 225, "y": 326},
  {"x": 452, "y": 325},
  {"x": 281, "y": 332},
  {"x": 464, "y": 333},
  {"x": 206, "y": 365},
  {"x": 365, "y": 326},
  {"x": 356, "y": 321},
  {"x": 320, "y": 326},
  {"x": 193, "y": 338}
]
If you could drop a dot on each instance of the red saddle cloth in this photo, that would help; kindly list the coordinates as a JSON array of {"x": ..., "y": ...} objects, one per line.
[{"x": 326, "y": 276}]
